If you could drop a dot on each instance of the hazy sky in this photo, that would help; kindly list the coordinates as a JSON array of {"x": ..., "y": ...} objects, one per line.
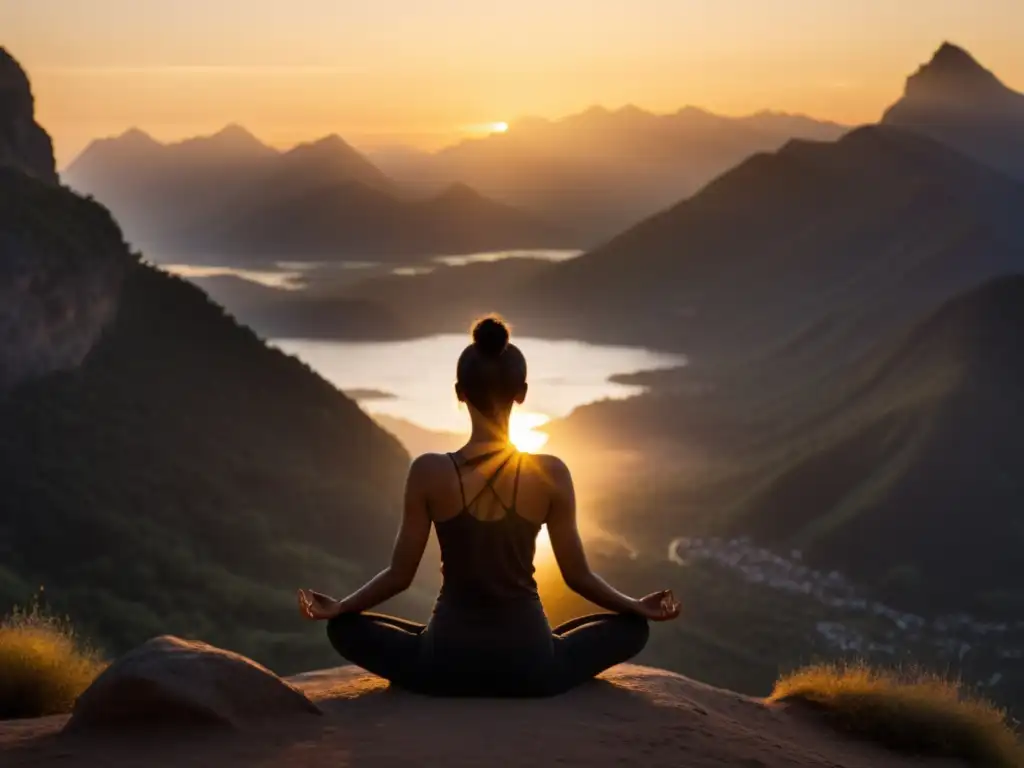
[{"x": 427, "y": 71}]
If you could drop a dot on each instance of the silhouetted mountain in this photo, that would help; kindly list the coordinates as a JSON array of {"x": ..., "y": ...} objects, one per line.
[
  {"x": 232, "y": 142},
  {"x": 112, "y": 161},
  {"x": 356, "y": 222},
  {"x": 165, "y": 470},
  {"x": 23, "y": 144},
  {"x": 320, "y": 164},
  {"x": 601, "y": 170},
  {"x": 873, "y": 230},
  {"x": 162, "y": 192},
  {"x": 154, "y": 189},
  {"x": 918, "y": 473},
  {"x": 228, "y": 197},
  {"x": 901, "y": 470},
  {"x": 954, "y": 99}
]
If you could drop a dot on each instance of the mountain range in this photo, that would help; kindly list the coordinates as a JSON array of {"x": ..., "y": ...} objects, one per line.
[
  {"x": 563, "y": 183},
  {"x": 868, "y": 231},
  {"x": 230, "y": 198},
  {"x": 601, "y": 170},
  {"x": 857, "y": 236}
]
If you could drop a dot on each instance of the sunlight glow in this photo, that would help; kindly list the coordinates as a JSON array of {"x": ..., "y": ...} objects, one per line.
[
  {"x": 543, "y": 544},
  {"x": 499, "y": 127},
  {"x": 523, "y": 432}
]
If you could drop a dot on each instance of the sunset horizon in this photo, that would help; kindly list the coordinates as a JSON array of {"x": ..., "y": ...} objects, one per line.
[{"x": 396, "y": 75}]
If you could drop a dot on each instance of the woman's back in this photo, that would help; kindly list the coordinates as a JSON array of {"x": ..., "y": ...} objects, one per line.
[{"x": 488, "y": 545}]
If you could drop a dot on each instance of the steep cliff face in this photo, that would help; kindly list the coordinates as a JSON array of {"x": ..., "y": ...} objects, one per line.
[
  {"x": 62, "y": 258},
  {"x": 62, "y": 261},
  {"x": 23, "y": 143}
]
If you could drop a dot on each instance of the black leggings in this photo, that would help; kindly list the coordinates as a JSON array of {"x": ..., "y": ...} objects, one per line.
[{"x": 401, "y": 652}]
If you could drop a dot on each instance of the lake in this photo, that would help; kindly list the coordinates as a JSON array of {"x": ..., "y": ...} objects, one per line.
[
  {"x": 413, "y": 380},
  {"x": 292, "y": 274}
]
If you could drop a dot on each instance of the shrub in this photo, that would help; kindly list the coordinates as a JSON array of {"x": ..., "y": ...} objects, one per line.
[
  {"x": 906, "y": 710},
  {"x": 43, "y": 665}
]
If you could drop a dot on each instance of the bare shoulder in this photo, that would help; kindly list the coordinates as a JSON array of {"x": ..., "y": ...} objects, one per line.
[
  {"x": 428, "y": 466},
  {"x": 551, "y": 469}
]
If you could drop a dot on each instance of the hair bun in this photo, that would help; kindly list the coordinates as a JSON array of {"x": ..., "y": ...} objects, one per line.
[{"x": 490, "y": 336}]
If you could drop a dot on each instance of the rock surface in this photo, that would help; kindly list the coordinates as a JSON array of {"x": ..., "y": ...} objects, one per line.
[
  {"x": 169, "y": 681},
  {"x": 632, "y": 716},
  {"x": 23, "y": 143},
  {"x": 62, "y": 263}
]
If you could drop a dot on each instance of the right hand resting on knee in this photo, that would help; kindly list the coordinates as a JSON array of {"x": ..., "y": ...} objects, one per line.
[{"x": 317, "y": 607}]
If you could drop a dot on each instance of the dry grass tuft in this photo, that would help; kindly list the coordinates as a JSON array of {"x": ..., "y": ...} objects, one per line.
[
  {"x": 43, "y": 665},
  {"x": 910, "y": 711}
]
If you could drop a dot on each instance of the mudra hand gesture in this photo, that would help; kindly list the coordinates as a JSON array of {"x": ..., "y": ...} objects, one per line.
[
  {"x": 659, "y": 606},
  {"x": 317, "y": 607}
]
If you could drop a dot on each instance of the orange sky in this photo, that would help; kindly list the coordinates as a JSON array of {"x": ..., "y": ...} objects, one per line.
[{"x": 425, "y": 71}]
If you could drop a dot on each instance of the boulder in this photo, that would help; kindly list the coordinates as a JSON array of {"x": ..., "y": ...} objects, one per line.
[{"x": 170, "y": 681}]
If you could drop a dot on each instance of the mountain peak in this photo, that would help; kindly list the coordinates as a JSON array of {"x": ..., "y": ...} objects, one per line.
[
  {"x": 23, "y": 143},
  {"x": 331, "y": 141},
  {"x": 951, "y": 73},
  {"x": 956, "y": 100},
  {"x": 12, "y": 76},
  {"x": 953, "y": 56},
  {"x": 329, "y": 161},
  {"x": 233, "y": 140},
  {"x": 326, "y": 147},
  {"x": 235, "y": 133},
  {"x": 136, "y": 137},
  {"x": 631, "y": 110}
]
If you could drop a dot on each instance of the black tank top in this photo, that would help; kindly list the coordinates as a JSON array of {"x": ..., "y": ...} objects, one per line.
[{"x": 487, "y": 559}]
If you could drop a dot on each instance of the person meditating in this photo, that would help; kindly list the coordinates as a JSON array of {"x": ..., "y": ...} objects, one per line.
[{"x": 488, "y": 634}]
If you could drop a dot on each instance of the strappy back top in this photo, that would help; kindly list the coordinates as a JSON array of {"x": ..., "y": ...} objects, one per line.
[{"x": 487, "y": 549}]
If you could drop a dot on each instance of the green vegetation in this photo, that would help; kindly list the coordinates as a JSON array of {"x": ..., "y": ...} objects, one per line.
[
  {"x": 186, "y": 477},
  {"x": 44, "y": 666},
  {"x": 898, "y": 468},
  {"x": 914, "y": 712}
]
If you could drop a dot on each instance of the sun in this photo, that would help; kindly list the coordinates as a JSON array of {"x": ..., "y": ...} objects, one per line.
[
  {"x": 523, "y": 432},
  {"x": 499, "y": 127}
]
